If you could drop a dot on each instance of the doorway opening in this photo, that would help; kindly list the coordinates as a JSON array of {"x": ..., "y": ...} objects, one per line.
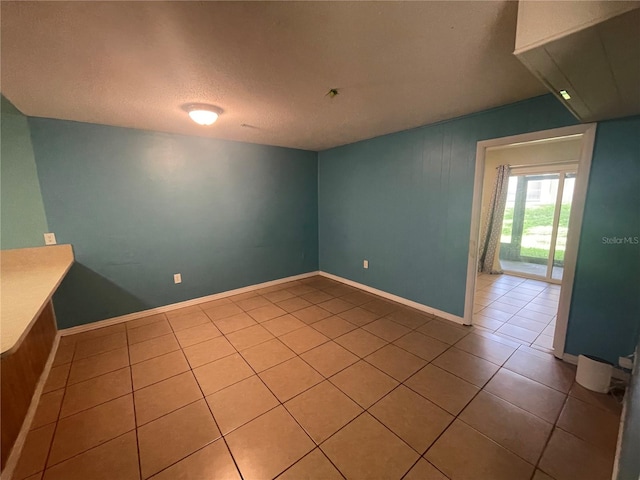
[{"x": 525, "y": 293}]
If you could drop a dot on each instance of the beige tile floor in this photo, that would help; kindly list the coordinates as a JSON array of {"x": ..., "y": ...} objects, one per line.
[
  {"x": 312, "y": 379},
  {"x": 519, "y": 309}
]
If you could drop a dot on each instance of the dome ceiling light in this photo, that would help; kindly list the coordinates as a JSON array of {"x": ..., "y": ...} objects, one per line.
[{"x": 202, "y": 113}]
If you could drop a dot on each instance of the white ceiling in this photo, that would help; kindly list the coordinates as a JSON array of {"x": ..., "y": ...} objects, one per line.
[{"x": 268, "y": 65}]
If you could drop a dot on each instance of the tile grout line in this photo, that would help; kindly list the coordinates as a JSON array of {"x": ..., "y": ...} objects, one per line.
[
  {"x": 280, "y": 403},
  {"x": 317, "y": 447},
  {"x": 363, "y": 359},
  {"x": 104, "y": 372},
  {"x": 75, "y": 455},
  {"x": 204, "y": 398},
  {"x": 298, "y": 394},
  {"x": 553, "y": 428},
  {"x": 132, "y": 393},
  {"x": 55, "y": 428},
  {"x": 529, "y": 302},
  {"x": 359, "y": 359},
  {"x": 456, "y": 417},
  {"x": 367, "y": 409},
  {"x": 115, "y": 369},
  {"x": 554, "y": 425},
  {"x": 222, "y": 436},
  {"x": 410, "y": 329},
  {"x": 85, "y": 410},
  {"x": 260, "y": 323},
  {"x": 135, "y": 413}
]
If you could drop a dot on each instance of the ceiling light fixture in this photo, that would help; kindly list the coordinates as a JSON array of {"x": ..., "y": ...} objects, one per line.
[
  {"x": 565, "y": 95},
  {"x": 203, "y": 114}
]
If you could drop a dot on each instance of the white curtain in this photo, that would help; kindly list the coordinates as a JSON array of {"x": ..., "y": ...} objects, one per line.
[{"x": 492, "y": 230}]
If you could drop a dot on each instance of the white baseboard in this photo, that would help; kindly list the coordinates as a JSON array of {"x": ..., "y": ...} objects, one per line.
[
  {"x": 174, "y": 306},
  {"x": 572, "y": 359},
  {"x": 395, "y": 298},
  {"x": 14, "y": 456}
]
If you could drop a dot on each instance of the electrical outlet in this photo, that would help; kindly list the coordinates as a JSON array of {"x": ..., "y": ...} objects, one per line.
[
  {"x": 365, "y": 263},
  {"x": 50, "y": 239},
  {"x": 177, "y": 278},
  {"x": 625, "y": 362}
]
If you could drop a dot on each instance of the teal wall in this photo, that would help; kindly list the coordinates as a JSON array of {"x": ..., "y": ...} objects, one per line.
[
  {"x": 403, "y": 201},
  {"x": 605, "y": 309},
  {"x": 140, "y": 206},
  {"x": 21, "y": 210}
]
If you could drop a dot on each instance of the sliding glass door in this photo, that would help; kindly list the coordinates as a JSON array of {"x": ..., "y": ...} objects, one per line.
[{"x": 536, "y": 222}]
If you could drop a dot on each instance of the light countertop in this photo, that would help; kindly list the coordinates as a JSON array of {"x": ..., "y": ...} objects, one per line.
[{"x": 29, "y": 277}]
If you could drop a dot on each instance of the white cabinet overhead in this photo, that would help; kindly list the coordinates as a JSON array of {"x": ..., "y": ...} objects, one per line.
[{"x": 586, "y": 53}]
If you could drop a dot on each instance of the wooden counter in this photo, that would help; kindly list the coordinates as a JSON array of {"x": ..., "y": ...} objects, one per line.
[{"x": 30, "y": 276}]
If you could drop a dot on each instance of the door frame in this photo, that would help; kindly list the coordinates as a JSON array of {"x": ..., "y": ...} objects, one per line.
[{"x": 588, "y": 132}]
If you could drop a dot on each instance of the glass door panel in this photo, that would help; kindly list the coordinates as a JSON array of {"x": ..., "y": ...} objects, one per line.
[
  {"x": 528, "y": 224},
  {"x": 563, "y": 226}
]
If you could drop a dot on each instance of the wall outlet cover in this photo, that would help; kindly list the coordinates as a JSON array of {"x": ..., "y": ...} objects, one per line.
[
  {"x": 626, "y": 362},
  {"x": 365, "y": 263},
  {"x": 177, "y": 278},
  {"x": 50, "y": 239}
]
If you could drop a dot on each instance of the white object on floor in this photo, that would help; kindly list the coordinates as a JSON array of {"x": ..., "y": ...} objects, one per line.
[{"x": 594, "y": 373}]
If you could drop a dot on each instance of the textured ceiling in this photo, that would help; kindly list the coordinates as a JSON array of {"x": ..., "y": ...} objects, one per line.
[{"x": 268, "y": 65}]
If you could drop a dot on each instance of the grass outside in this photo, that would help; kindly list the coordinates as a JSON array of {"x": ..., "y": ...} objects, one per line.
[{"x": 536, "y": 232}]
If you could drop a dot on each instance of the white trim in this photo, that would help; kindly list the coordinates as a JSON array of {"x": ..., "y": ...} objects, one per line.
[
  {"x": 562, "y": 167},
  {"x": 545, "y": 141},
  {"x": 572, "y": 359},
  {"x": 571, "y": 130},
  {"x": 621, "y": 432},
  {"x": 577, "y": 210},
  {"x": 395, "y": 298},
  {"x": 573, "y": 239},
  {"x": 18, "y": 445},
  {"x": 472, "y": 261},
  {"x": 531, "y": 276},
  {"x": 174, "y": 306},
  {"x": 626, "y": 405}
]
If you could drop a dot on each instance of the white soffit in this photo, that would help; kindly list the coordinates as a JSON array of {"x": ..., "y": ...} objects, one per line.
[{"x": 268, "y": 65}]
